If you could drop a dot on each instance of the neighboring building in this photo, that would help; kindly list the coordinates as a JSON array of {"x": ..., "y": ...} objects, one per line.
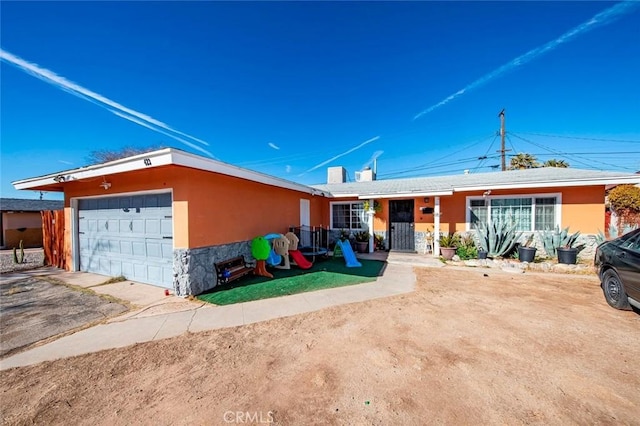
[
  {"x": 21, "y": 221},
  {"x": 167, "y": 216}
]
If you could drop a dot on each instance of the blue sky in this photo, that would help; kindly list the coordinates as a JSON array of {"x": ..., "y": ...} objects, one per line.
[{"x": 284, "y": 87}]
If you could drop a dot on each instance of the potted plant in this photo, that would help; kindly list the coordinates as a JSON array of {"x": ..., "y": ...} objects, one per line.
[
  {"x": 562, "y": 244},
  {"x": 379, "y": 242},
  {"x": 567, "y": 255},
  {"x": 526, "y": 253},
  {"x": 448, "y": 245},
  {"x": 362, "y": 241}
]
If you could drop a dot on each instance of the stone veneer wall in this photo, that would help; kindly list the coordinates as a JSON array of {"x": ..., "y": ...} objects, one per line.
[
  {"x": 423, "y": 242},
  {"x": 193, "y": 270},
  {"x": 588, "y": 252}
]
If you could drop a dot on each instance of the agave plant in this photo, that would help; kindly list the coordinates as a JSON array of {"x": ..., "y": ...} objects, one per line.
[
  {"x": 449, "y": 240},
  {"x": 552, "y": 239},
  {"x": 499, "y": 237}
]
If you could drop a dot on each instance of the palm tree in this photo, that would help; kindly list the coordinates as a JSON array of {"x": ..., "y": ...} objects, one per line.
[
  {"x": 556, "y": 163},
  {"x": 523, "y": 161}
]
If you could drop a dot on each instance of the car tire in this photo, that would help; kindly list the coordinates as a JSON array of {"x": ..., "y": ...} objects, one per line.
[{"x": 614, "y": 291}]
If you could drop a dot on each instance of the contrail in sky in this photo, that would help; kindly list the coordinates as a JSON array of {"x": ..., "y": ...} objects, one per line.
[
  {"x": 93, "y": 97},
  {"x": 143, "y": 124},
  {"x": 341, "y": 155},
  {"x": 605, "y": 17},
  {"x": 372, "y": 159},
  {"x": 273, "y": 145}
]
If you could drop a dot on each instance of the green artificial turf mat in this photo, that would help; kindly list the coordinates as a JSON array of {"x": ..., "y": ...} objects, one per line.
[{"x": 323, "y": 274}]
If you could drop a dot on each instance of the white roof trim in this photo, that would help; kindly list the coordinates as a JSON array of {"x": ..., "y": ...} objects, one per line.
[
  {"x": 552, "y": 184},
  {"x": 163, "y": 157},
  {"x": 405, "y": 195}
]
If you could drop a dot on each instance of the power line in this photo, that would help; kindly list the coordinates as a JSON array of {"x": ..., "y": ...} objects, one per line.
[
  {"x": 425, "y": 165},
  {"x": 579, "y": 137},
  {"x": 573, "y": 157}
]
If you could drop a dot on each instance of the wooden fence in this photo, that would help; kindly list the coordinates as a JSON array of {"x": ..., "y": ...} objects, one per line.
[{"x": 53, "y": 238}]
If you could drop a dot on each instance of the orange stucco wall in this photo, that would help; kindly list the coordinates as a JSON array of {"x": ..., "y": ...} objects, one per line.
[
  {"x": 209, "y": 208},
  {"x": 582, "y": 209}
]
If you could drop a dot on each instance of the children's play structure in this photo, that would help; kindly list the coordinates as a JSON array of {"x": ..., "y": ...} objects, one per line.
[
  {"x": 283, "y": 247},
  {"x": 281, "y": 251},
  {"x": 313, "y": 240},
  {"x": 348, "y": 254}
]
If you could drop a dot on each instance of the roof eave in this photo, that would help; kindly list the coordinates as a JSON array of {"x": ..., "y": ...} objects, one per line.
[
  {"x": 163, "y": 157},
  {"x": 552, "y": 184}
]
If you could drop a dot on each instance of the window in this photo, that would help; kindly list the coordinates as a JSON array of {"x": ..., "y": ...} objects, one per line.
[
  {"x": 545, "y": 213},
  {"x": 478, "y": 212},
  {"x": 530, "y": 213},
  {"x": 512, "y": 209},
  {"x": 347, "y": 215}
]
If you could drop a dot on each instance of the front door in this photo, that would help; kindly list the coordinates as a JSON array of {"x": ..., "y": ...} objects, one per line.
[
  {"x": 401, "y": 225},
  {"x": 305, "y": 223}
]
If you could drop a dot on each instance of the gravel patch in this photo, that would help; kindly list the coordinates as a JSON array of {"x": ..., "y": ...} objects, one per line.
[{"x": 33, "y": 258}]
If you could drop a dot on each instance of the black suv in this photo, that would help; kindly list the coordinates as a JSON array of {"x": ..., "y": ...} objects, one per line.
[{"x": 618, "y": 263}]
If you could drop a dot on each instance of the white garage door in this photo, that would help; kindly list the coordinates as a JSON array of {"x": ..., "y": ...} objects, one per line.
[{"x": 130, "y": 236}]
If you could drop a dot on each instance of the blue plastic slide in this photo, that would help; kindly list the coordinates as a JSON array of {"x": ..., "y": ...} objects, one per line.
[
  {"x": 274, "y": 258},
  {"x": 349, "y": 255}
]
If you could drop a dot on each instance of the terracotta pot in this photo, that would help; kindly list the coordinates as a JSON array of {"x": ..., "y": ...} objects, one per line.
[
  {"x": 363, "y": 247},
  {"x": 448, "y": 252}
]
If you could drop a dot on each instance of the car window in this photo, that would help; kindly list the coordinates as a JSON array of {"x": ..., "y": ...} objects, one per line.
[{"x": 632, "y": 243}]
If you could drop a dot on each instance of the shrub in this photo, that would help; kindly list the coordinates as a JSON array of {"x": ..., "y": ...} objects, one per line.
[
  {"x": 625, "y": 202},
  {"x": 467, "y": 248}
]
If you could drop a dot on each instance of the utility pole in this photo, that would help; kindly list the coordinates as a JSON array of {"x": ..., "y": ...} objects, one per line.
[{"x": 502, "y": 135}]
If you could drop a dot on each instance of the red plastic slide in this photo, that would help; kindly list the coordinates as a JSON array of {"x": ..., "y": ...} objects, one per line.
[{"x": 300, "y": 260}]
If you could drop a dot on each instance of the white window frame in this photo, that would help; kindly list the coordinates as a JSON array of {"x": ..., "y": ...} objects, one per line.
[
  {"x": 333, "y": 203},
  {"x": 488, "y": 198}
]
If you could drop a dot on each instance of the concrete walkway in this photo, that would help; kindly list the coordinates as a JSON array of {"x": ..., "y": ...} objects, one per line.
[{"x": 156, "y": 316}]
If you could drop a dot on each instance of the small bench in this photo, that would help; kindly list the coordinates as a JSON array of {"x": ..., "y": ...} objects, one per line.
[{"x": 232, "y": 269}]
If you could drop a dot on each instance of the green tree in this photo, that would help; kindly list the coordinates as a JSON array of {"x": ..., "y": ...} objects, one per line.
[
  {"x": 555, "y": 163},
  {"x": 523, "y": 161}
]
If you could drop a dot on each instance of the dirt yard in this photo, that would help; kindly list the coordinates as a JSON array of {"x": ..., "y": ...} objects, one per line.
[
  {"x": 463, "y": 349},
  {"x": 33, "y": 309}
]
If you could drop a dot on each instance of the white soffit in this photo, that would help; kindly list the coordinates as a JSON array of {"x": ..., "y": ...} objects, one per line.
[{"x": 163, "y": 157}]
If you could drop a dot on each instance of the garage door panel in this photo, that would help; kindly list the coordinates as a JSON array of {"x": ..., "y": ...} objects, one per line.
[
  {"x": 123, "y": 225},
  {"x": 166, "y": 226},
  {"x": 137, "y": 226},
  {"x": 139, "y": 248},
  {"x": 167, "y": 250},
  {"x": 154, "y": 273},
  {"x": 113, "y": 226},
  {"x": 124, "y": 236},
  {"x": 140, "y": 271},
  {"x": 127, "y": 269},
  {"x": 115, "y": 268},
  {"x": 125, "y": 248},
  {"x": 114, "y": 247},
  {"x": 154, "y": 249},
  {"x": 152, "y": 228}
]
